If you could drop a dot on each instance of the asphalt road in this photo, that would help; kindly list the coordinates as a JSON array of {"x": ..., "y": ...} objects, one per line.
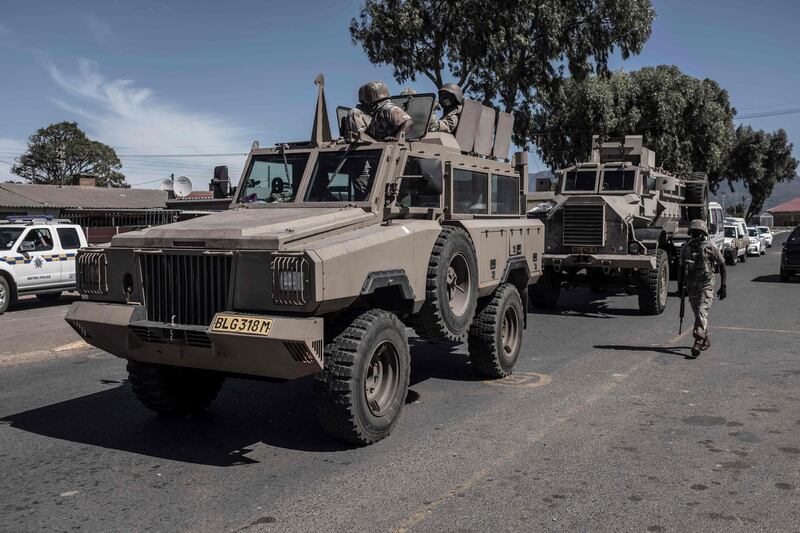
[{"x": 604, "y": 426}]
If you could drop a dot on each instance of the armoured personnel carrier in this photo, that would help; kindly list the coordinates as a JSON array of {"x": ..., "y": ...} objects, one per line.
[
  {"x": 331, "y": 247},
  {"x": 617, "y": 220}
]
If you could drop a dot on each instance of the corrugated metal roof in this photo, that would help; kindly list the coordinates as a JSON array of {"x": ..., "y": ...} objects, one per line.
[
  {"x": 792, "y": 206},
  {"x": 76, "y": 197}
]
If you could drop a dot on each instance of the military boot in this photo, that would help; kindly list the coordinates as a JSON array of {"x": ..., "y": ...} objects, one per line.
[
  {"x": 697, "y": 347},
  {"x": 706, "y": 343}
]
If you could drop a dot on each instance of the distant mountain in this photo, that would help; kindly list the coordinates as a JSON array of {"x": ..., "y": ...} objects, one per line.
[{"x": 783, "y": 192}]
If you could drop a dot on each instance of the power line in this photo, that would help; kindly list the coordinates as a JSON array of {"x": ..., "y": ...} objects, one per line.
[
  {"x": 769, "y": 114},
  {"x": 183, "y": 155}
]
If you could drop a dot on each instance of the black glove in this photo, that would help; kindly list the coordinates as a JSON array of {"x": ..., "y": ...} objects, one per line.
[{"x": 722, "y": 293}]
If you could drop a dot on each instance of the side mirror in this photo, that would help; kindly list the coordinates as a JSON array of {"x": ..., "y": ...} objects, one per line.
[{"x": 26, "y": 246}]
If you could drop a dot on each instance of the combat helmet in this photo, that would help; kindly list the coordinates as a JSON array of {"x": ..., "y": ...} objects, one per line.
[
  {"x": 698, "y": 224},
  {"x": 454, "y": 90},
  {"x": 373, "y": 92}
]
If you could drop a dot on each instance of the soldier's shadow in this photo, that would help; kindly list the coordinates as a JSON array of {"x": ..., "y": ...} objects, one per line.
[{"x": 681, "y": 351}]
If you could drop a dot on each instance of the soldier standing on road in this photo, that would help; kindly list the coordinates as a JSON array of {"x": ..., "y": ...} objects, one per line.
[
  {"x": 698, "y": 260},
  {"x": 388, "y": 120},
  {"x": 450, "y": 98}
]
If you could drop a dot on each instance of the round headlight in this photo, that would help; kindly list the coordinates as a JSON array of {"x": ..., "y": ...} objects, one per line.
[{"x": 633, "y": 248}]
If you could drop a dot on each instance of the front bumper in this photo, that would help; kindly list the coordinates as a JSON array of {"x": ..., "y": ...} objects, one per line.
[
  {"x": 292, "y": 349},
  {"x": 753, "y": 248},
  {"x": 604, "y": 261}
]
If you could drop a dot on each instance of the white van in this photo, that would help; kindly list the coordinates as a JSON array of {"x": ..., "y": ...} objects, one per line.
[{"x": 37, "y": 257}]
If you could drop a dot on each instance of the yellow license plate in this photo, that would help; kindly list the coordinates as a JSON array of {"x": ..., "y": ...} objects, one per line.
[
  {"x": 244, "y": 325},
  {"x": 584, "y": 249}
]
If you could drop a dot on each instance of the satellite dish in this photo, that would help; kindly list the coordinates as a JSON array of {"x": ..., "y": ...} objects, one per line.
[
  {"x": 167, "y": 185},
  {"x": 182, "y": 187}
]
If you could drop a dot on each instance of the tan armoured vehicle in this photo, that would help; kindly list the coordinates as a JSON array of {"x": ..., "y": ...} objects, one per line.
[
  {"x": 617, "y": 220},
  {"x": 330, "y": 249}
]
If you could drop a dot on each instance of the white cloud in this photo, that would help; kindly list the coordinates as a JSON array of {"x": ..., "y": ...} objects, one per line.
[
  {"x": 99, "y": 28},
  {"x": 133, "y": 121}
]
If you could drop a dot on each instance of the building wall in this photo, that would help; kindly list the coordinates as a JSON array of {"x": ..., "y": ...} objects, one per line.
[{"x": 787, "y": 218}]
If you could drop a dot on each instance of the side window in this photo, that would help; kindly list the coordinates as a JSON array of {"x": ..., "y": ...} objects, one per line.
[
  {"x": 505, "y": 195},
  {"x": 421, "y": 192},
  {"x": 469, "y": 192},
  {"x": 69, "y": 238},
  {"x": 41, "y": 239}
]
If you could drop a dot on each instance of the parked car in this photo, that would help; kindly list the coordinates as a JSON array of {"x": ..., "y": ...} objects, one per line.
[
  {"x": 758, "y": 245},
  {"x": 766, "y": 233},
  {"x": 37, "y": 257},
  {"x": 734, "y": 245},
  {"x": 790, "y": 256}
]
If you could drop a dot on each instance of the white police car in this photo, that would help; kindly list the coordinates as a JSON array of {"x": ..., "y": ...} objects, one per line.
[{"x": 37, "y": 256}]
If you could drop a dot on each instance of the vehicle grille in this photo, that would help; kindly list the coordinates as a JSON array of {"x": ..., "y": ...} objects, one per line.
[
  {"x": 92, "y": 271},
  {"x": 185, "y": 288},
  {"x": 294, "y": 268},
  {"x": 583, "y": 225},
  {"x": 184, "y": 337}
]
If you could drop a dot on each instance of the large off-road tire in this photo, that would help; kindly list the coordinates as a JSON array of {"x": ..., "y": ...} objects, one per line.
[
  {"x": 451, "y": 290},
  {"x": 49, "y": 297},
  {"x": 361, "y": 391},
  {"x": 172, "y": 390},
  {"x": 545, "y": 292},
  {"x": 495, "y": 337},
  {"x": 785, "y": 274},
  {"x": 5, "y": 295},
  {"x": 653, "y": 286},
  {"x": 744, "y": 256}
]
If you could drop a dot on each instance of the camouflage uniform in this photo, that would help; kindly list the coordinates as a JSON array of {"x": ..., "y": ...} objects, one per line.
[
  {"x": 700, "y": 280},
  {"x": 356, "y": 121},
  {"x": 448, "y": 123},
  {"x": 386, "y": 120}
]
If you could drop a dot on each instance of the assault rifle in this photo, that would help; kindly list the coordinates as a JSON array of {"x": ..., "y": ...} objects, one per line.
[{"x": 682, "y": 290}]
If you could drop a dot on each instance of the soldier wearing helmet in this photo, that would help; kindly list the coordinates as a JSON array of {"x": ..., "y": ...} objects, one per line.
[
  {"x": 450, "y": 98},
  {"x": 359, "y": 118},
  {"x": 699, "y": 257},
  {"x": 388, "y": 120}
]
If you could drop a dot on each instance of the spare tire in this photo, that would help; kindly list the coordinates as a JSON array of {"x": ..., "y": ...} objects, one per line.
[{"x": 451, "y": 288}]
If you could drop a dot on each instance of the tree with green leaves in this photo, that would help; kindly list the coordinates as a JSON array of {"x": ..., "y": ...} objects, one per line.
[
  {"x": 760, "y": 160},
  {"x": 687, "y": 121},
  {"x": 59, "y": 153},
  {"x": 501, "y": 51}
]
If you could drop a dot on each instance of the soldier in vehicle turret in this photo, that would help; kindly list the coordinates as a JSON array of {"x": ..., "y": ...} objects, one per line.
[
  {"x": 450, "y": 98},
  {"x": 699, "y": 257},
  {"x": 388, "y": 120},
  {"x": 359, "y": 118}
]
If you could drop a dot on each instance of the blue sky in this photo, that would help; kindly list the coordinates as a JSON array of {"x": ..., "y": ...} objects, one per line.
[{"x": 195, "y": 77}]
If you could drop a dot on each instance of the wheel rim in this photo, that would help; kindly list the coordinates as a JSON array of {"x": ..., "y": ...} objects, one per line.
[
  {"x": 3, "y": 295},
  {"x": 509, "y": 333},
  {"x": 458, "y": 284},
  {"x": 383, "y": 378},
  {"x": 662, "y": 289}
]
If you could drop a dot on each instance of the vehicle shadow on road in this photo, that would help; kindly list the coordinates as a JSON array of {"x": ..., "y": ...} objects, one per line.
[
  {"x": 774, "y": 278},
  {"x": 246, "y": 414},
  {"x": 31, "y": 302},
  {"x": 592, "y": 304},
  {"x": 681, "y": 351}
]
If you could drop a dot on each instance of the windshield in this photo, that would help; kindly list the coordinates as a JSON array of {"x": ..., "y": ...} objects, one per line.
[
  {"x": 8, "y": 236},
  {"x": 270, "y": 179},
  {"x": 580, "y": 180},
  {"x": 762, "y": 229},
  {"x": 618, "y": 180},
  {"x": 344, "y": 176},
  {"x": 730, "y": 232},
  {"x": 752, "y": 232}
]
